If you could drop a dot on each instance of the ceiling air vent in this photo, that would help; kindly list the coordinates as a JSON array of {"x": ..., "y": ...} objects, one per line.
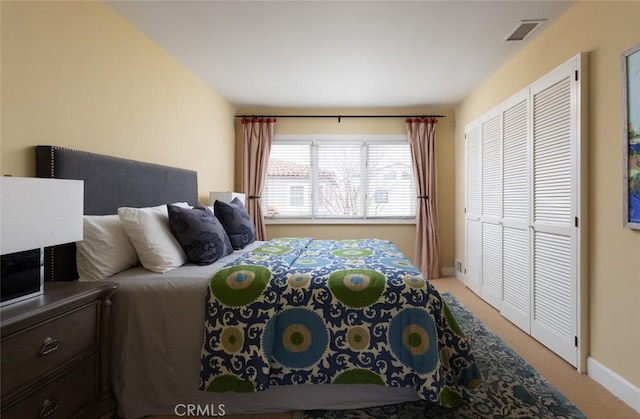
[{"x": 523, "y": 29}]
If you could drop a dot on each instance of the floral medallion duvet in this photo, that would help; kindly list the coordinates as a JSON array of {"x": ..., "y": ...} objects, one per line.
[{"x": 304, "y": 311}]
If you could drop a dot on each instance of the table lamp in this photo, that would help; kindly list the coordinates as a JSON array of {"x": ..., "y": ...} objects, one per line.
[{"x": 35, "y": 213}]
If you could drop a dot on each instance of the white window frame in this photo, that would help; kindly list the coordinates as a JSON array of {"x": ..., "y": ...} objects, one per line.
[{"x": 312, "y": 139}]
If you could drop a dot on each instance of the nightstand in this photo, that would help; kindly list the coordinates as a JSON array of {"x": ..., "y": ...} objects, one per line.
[{"x": 55, "y": 353}]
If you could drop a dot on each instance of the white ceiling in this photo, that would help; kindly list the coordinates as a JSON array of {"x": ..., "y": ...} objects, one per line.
[{"x": 339, "y": 53}]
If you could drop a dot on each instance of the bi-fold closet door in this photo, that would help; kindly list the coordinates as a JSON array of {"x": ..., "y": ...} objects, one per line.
[
  {"x": 523, "y": 183},
  {"x": 473, "y": 207},
  {"x": 516, "y": 280},
  {"x": 497, "y": 210}
]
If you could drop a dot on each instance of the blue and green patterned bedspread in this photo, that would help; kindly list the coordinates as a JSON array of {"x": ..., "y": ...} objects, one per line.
[{"x": 303, "y": 311}]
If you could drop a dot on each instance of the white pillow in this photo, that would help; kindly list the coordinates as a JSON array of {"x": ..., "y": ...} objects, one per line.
[
  {"x": 149, "y": 231},
  {"x": 105, "y": 248}
]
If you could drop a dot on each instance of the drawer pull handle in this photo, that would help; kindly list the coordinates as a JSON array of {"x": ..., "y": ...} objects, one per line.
[
  {"x": 49, "y": 345},
  {"x": 48, "y": 407}
]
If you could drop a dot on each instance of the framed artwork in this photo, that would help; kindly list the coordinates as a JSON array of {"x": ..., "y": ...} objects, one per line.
[{"x": 631, "y": 136}]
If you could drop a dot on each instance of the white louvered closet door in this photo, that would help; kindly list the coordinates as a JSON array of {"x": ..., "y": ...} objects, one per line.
[
  {"x": 491, "y": 279},
  {"x": 516, "y": 283},
  {"x": 554, "y": 181},
  {"x": 526, "y": 194},
  {"x": 473, "y": 208}
]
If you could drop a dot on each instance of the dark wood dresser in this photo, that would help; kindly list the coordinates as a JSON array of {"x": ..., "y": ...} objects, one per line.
[{"x": 55, "y": 353}]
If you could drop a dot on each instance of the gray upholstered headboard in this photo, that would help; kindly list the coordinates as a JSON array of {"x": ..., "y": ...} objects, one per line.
[{"x": 109, "y": 183}]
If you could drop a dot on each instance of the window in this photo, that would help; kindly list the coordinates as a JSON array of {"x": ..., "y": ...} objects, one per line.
[
  {"x": 289, "y": 166},
  {"x": 339, "y": 177}
]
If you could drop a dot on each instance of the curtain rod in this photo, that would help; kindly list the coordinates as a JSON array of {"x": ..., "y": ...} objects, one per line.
[{"x": 339, "y": 117}]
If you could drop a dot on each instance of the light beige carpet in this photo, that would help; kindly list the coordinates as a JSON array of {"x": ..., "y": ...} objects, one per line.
[{"x": 590, "y": 397}]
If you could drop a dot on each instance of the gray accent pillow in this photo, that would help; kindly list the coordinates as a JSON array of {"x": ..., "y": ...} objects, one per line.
[
  {"x": 236, "y": 221},
  {"x": 200, "y": 234}
]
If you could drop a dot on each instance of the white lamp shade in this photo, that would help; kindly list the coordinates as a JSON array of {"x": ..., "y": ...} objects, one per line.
[
  {"x": 39, "y": 212},
  {"x": 225, "y": 196}
]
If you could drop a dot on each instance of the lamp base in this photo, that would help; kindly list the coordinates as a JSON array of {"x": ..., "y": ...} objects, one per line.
[{"x": 22, "y": 276}]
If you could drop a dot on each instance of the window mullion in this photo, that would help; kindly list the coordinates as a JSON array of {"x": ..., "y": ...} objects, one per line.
[
  {"x": 364, "y": 176},
  {"x": 314, "y": 179}
]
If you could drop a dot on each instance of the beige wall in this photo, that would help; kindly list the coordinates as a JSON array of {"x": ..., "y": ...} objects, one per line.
[
  {"x": 401, "y": 234},
  {"x": 605, "y": 30},
  {"x": 78, "y": 75}
]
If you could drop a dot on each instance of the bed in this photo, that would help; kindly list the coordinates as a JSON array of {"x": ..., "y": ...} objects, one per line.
[{"x": 191, "y": 336}]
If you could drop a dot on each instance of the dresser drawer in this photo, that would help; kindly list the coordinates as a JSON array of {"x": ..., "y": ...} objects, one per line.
[
  {"x": 36, "y": 351},
  {"x": 64, "y": 397}
]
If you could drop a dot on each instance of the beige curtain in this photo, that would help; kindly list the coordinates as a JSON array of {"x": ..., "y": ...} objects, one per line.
[
  {"x": 422, "y": 142},
  {"x": 258, "y": 137}
]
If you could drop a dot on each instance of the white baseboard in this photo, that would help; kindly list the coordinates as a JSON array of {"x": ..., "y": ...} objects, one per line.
[
  {"x": 450, "y": 271},
  {"x": 461, "y": 277},
  {"x": 617, "y": 385}
]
